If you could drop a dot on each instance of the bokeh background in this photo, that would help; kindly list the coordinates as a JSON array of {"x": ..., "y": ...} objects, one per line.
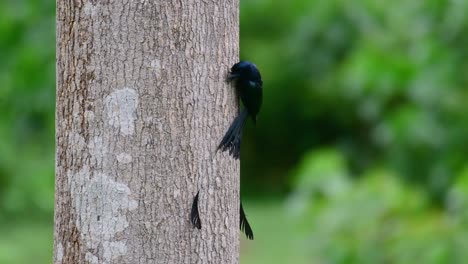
[{"x": 359, "y": 154}]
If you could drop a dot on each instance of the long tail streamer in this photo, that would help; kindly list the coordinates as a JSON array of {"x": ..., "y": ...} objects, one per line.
[
  {"x": 194, "y": 215},
  {"x": 244, "y": 224}
]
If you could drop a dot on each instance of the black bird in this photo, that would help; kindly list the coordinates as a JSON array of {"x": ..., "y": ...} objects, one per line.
[
  {"x": 248, "y": 83},
  {"x": 243, "y": 223}
]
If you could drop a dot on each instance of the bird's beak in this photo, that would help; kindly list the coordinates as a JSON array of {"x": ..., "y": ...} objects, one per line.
[{"x": 232, "y": 76}]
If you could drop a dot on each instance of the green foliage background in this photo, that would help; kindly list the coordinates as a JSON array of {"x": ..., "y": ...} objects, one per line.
[{"x": 359, "y": 154}]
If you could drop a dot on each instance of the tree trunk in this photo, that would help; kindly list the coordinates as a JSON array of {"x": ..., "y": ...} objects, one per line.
[{"x": 141, "y": 106}]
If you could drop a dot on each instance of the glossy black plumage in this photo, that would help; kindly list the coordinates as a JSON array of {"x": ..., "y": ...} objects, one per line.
[
  {"x": 248, "y": 83},
  {"x": 194, "y": 214},
  {"x": 232, "y": 139},
  {"x": 244, "y": 224}
]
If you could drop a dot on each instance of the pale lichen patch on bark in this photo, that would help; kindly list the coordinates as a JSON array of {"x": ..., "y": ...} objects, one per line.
[
  {"x": 59, "y": 253},
  {"x": 91, "y": 259},
  {"x": 121, "y": 110},
  {"x": 89, "y": 115},
  {"x": 76, "y": 140},
  {"x": 112, "y": 249},
  {"x": 124, "y": 158},
  {"x": 97, "y": 148},
  {"x": 89, "y": 9},
  {"x": 102, "y": 213},
  {"x": 156, "y": 65}
]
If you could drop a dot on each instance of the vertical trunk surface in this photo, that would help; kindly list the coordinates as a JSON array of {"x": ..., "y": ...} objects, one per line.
[{"x": 141, "y": 106}]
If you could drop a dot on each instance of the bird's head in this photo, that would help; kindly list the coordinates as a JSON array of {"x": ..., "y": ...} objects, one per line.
[{"x": 244, "y": 70}]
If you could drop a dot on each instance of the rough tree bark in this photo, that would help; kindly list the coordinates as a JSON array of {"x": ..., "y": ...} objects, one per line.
[{"x": 141, "y": 106}]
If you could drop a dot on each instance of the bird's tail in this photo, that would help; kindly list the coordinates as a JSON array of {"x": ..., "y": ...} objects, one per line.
[
  {"x": 244, "y": 224},
  {"x": 194, "y": 214},
  {"x": 232, "y": 139}
]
